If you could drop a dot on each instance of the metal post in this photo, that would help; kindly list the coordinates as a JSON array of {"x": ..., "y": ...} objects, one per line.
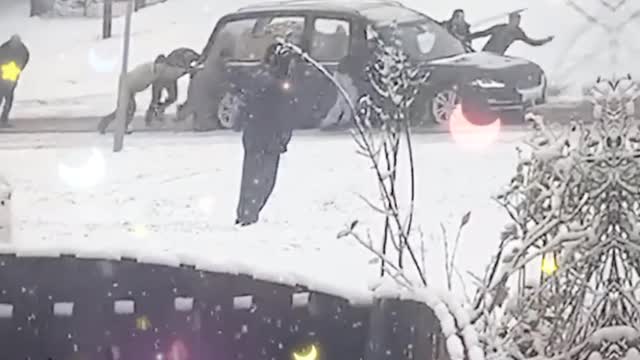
[{"x": 123, "y": 94}]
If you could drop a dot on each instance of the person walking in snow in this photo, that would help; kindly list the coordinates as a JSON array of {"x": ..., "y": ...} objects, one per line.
[
  {"x": 266, "y": 133},
  {"x": 14, "y": 57},
  {"x": 502, "y": 36},
  {"x": 181, "y": 58},
  {"x": 137, "y": 80}
]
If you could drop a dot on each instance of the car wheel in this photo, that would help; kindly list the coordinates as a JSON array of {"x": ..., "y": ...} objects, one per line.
[
  {"x": 228, "y": 110},
  {"x": 442, "y": 106}
]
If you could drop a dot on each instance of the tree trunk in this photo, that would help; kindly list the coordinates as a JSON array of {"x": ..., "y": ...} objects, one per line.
[{"x": 107, "y": 14}]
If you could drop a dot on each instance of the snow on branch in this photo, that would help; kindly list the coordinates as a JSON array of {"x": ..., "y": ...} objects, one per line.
[{"x": 574, "y": 202}]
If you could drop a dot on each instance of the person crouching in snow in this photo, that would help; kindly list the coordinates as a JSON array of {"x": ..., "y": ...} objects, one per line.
[
  {"x": 181, "y": 61},
  {"x": 266, "y": 133},
  {"x": 137, "y": 80}
]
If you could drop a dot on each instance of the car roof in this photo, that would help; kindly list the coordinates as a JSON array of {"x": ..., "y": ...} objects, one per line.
[{"x": 354, "y": 7}]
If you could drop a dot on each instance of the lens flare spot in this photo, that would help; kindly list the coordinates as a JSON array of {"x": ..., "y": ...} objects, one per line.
[
  {"x": 10, "y": 71},
  {"x": 549, "y": 265},
  {"x": 205, "y": 204},
  {"x": 139, "y": 231},
  {"x": 178, "y": 351},
  {"x": 143, "y": 323},
  {"x": 470, "y": 136},
  {"x": 311, "y": 353},
  {"x": 103, "y": 64},
  {"x": 87, "y": 175}
]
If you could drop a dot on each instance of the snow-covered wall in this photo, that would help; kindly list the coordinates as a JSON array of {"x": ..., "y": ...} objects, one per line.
[{"x": 258, "y": 317}]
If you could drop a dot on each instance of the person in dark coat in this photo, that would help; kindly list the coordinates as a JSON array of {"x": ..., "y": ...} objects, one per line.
[
  {"x": 457, "y": 26},
  {"x": 502, "y": 36},
  {"x": 181, "y": 58},
  {"x": 14, "y": 57},
  {"x": 266, "y": 133}
]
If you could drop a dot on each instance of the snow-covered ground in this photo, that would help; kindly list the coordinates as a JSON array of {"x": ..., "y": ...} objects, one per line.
[
  {"x": 176, "y": 195},
  {"x": 74, "y": 73}
]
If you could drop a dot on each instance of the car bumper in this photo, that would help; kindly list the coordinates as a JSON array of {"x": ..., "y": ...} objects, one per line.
[{"x": 517, "y": 99}]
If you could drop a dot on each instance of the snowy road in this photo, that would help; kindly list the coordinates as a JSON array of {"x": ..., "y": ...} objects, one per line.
[
  {"x": 176, "y": 193},
  {"x": 63, "y": 122}
]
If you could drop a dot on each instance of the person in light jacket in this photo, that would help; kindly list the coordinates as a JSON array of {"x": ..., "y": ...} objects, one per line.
[
  {"x": 140, "y": 79},
  {"x": 182, "y": 61}
]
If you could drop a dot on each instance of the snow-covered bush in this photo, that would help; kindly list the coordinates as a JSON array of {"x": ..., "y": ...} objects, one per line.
[{"x": 575, "y": 206}]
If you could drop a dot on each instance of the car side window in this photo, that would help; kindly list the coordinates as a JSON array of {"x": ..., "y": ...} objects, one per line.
[
  {"x": 251, "y": 37},
  {"x": 330, "y": 39}
]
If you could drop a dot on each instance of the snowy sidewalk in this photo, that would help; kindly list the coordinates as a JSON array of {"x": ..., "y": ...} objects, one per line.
[{"x": 82, "y": 124}]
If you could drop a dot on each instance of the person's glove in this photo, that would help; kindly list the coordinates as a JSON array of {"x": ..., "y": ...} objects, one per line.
[{"x": 549, "y": 38}]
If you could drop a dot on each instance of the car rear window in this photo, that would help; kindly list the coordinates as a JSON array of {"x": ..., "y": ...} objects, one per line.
[{"x": 251, "y": 36}]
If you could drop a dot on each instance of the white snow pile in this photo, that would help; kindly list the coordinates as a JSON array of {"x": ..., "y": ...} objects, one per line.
[
  {"x": 454, "y": 320},
  {"x": 614, "y": 333}
]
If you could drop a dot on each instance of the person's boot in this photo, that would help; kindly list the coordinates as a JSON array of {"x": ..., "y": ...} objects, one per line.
[
  {"x": 246, "y": 223},
  {"x": 243, "y": 222}
]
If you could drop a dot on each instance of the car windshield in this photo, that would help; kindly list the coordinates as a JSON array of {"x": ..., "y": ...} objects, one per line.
[
  {"x": 421, "y": 37},
  {"x": 424, "y": 39}
]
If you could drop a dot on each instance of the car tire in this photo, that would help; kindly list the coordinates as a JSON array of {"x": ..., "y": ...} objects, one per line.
[
  {"x": 228, "y": 111},
  {"x": 441, "y": 105}
]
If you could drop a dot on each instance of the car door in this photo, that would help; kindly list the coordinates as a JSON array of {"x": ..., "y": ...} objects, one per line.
[
  {"x": 251, "y": 42},
  {"x": 329, "y": 43}
]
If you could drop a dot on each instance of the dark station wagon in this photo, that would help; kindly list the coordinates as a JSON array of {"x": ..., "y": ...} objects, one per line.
[{"x": 330, "y": 31}]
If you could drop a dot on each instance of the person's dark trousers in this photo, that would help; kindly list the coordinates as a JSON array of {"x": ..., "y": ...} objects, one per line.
[
  {"x": 6, "y": 100},
  {"x": 259, "y": 173},
  {"x": 107, "y": 120}
]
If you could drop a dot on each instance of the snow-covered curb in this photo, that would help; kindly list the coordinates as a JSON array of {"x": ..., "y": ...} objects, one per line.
[
  {"x": 450, "y": 313},
  {"x": 454, "y": 320},
  {"x": 174, "y": 259}
]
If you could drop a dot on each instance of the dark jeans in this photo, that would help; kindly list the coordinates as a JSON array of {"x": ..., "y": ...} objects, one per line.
[
  {"x": 6, "y": 99},
  {"x": 259, "y": 172}
]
